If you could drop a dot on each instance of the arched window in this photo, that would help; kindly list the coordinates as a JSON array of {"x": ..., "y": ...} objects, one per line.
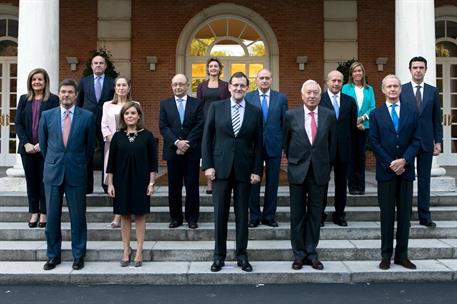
[
  {"x": 446, "y": 37},
  {"x": 8, "y": 36},
  {"x": 235, "y": 41}
]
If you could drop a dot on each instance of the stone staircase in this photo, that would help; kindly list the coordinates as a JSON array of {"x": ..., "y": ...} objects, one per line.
[{"x": 183, "y": 256}]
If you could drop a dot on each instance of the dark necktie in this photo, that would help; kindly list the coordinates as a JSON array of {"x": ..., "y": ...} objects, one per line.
[{"x": 418, "y": 97}]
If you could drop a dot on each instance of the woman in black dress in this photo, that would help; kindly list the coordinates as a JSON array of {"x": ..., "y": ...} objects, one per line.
[
  {"x": 29, "y": 109},
  {"x": 132, "y": 170},
  {"x": 210, "y": 91}
]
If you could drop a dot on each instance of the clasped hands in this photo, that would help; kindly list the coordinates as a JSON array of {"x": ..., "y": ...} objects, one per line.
[
  {"x": 398, "y": 166},
  {"x": 29, "y": 148},
  {"x": 211, "y": 174},
  {"x": 183, "y": 146}
]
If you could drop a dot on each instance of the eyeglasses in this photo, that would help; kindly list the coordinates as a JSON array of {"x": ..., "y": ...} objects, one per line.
[
  {"x": 239, "y": 85},
  {"x": 178, "y": 84}
]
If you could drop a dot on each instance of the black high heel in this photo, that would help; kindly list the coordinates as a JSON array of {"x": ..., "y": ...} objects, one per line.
[
  {"x": 126, "y": 263},
  {"x": 33, "y": 224}
]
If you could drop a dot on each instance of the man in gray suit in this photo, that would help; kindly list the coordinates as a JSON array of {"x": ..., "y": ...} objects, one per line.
[
  {"x": 309, "y": 141},
  {"x": 67, "y": 138},
  {"x": 273, "y": 105}
]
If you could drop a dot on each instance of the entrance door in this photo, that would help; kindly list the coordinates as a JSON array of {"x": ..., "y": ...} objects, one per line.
[
  {"x": 446, "y": 80},
  {"x": 8, "y": 81}
]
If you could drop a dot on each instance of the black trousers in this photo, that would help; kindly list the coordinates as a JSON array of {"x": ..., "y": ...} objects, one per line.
[
  {"x": 356, "y": 181},
  {"x": 340, "y": 171},
  {"x": 33, "y": 169},
  {"x": 395, "y": 193},
  {"x": 222, "y": 190},
  {"x": 187, "y": 171},
  {"x": 305, "y": 215}
]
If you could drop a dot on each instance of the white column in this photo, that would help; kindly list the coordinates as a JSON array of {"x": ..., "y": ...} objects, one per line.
[
  {"x": 38, "y": 47},
  {"x": 415, "y": 36}
]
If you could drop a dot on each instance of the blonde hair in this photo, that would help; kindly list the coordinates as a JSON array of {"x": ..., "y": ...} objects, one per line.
[{"x": 351, "y": 70}]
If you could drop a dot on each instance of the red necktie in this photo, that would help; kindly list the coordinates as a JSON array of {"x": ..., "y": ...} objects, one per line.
[
  {"x": 313, "y": 127},
  {"x": 66, "y": 127}
]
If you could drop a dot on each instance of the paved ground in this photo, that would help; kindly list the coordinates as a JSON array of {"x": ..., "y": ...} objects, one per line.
[{"x": 398, "y": 293}]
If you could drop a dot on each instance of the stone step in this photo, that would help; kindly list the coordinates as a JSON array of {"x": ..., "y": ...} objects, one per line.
[
  {"x": 161, "y": 199},
  {"x": 197, "y": 273},
  {"x": 161, "y": 214},
  {"x": 163, "y": 251},
  {"x": 160, "y": 232}
]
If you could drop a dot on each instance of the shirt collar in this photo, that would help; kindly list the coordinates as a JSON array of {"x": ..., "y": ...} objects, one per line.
[
  {"x": 388, "y": 103},
  {"x": 267, "y": 93},
  {"x": 307, "y": 110},
  {"x": 184, "y": 98},
  {"x": 331, "y": 94},
  {"x": 72, "y": 109},
  {"x": 414, "y": 85},
  {"x": 101, "y": 76},
  {"x": 242, "y": 103}
]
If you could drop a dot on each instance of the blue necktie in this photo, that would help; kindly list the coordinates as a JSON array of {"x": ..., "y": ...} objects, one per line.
[
  {"x": 264, "y": 108},
  {"x": 181, "y": 109},
  {"x": 394, "y": 116},
  {"x": 336, "y": 107},
  {"x": 98, "y": 88}
]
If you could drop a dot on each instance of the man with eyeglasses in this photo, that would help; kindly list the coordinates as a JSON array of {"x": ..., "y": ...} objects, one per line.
[
  {"x": 273, "y": 106},
  {"x": 181, "y": 126},
  {"x": 232, "y": 158}
]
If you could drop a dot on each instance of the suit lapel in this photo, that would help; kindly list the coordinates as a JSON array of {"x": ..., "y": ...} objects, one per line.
[
  {"x": 74, "y": 126},
  {"x": 92, "y": 88},
  {"x": 187, "y": 109},
  {"x": 228, "y": 113},
  {"x": 387, "y": 118},
  {"x": 300, "y": 117}
]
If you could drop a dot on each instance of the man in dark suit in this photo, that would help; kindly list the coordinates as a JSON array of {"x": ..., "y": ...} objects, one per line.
[
  {"x": 66, "y": 135},
  {"x": 273, "y": 105},
  {"x": 94, "y": 90},
  {"x": 345, "y": 110},
  {"x": 181, "y": 126},
  {"x": 309, "y": 141},
  {"x": 425, "y": 98},
  {"x": 393, "y": 138},
  {"x": 232, "y": 158}
]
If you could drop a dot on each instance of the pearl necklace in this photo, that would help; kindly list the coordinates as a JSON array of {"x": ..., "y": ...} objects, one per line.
[{"x": 131, "y": 137}]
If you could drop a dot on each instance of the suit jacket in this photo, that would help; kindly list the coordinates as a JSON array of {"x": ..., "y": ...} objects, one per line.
[
  {"x": 273, "y": 127},
  {"x": 223, "y": 91},
  {"x": 66, "y": 163},
  {"x": 430, "y": 128},
  {"x": 24, "y": 118},
  {"x": 368, "y": 103},
  {"x": 86, "y": 98},
  {"x": 387, "y": 145},
  {"x": 346, "y": 123},
  {"x": 191, "y": 129},
  {"x": 223, "y": 151},
  {"x": 299, "y": 151}
]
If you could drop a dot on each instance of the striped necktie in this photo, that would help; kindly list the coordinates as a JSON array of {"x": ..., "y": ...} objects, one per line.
[{"x": 236, "y": 119}]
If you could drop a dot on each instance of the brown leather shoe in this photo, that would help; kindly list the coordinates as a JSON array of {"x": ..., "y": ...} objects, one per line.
[
  {"x": 405, "y": 263},
  {"x": 384, "y": 264},
  {"x": 297, "y": 265}
]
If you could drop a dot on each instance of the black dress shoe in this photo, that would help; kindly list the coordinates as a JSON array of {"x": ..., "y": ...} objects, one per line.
[
  {"x": 322, "y": 223},
  {"x": 78, "y": 264},
  {"x": 316, "y": 264},
  {"x": 217, "y": 265},
  {"x": 340, "y": 221},
  {"x": 174, "y": 224},
  {"x": 193, "y": 225},
  {"x": 428, "y": 223},
  {"x": 245, "y": 266},
  {"x": 405, "y": 263},
  {"x": 209, "y": 191},
  {"x": 253, "y": 224},
  {"x": 52, "y": 263},
  {"x": 297, "y": 265},
  {"x": 271, "y": 223},
  {"x": 384, "y": 264}
]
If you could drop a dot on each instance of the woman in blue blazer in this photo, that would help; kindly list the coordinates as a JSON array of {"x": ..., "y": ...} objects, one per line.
[
  {"x": 29, "y": 109},
  {"x": 363, "y": 94}
]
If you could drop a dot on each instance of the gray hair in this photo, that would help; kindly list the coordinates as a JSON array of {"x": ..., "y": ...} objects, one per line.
[
  {"x": 308, "y": 82},
  {"x": 390, "y": 76}
]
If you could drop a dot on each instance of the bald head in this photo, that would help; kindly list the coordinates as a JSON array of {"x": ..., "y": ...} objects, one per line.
[
  {"x": 179, "y": 85},
  {"x": 264, "y": 80},
  {"x": 335, "y": 81}
]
